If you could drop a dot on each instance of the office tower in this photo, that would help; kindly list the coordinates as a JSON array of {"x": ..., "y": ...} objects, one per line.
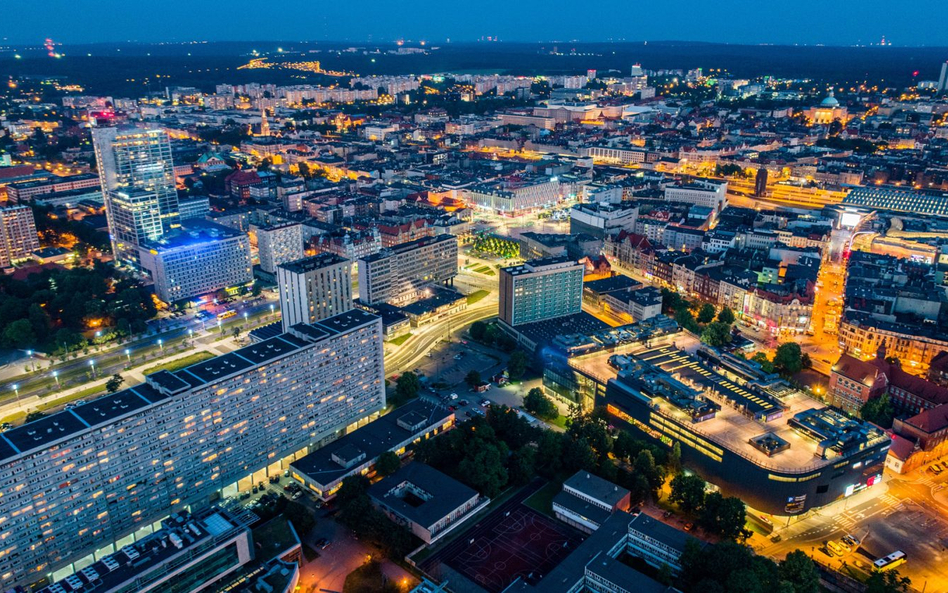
[
  {"x": 18, "y": 238},
  {"x": 137, "y": 178},
  {"x": 279, "y": 244},
  {"x": 197, "y": 259},
  {"x": 76, "y": 482},
  {"x": 760, "y": 182},
  {"x": 399, "y": 274},
  {"x": 541, "y": 289},
  {"x": 314, "y": 288},
  {"x": 943, "y": 78}
]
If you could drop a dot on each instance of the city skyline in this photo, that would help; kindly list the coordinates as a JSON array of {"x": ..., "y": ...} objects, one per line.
[{"x": 734, "y": 21}]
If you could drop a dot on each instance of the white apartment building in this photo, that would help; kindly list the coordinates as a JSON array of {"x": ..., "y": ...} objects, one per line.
[
  {"x": 197, "y": 260},
  {"x": 616, "y": 155},
  {"x": 314, "y": 288},
  {"x": 84, "y": 482},
  {"x": 18, "y": 238},
  {"x": 541, "y": 289},
  {"x": 279, "y": 244},
  {"x": 516, "y": 195},
  {"x": 701, "y": 192},
  {"x": 399, "y": 274}
]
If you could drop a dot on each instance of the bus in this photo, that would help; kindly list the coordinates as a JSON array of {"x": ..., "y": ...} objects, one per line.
[
  {"x": 891, "y": 561},
  {"x": 226, "y": 314}
]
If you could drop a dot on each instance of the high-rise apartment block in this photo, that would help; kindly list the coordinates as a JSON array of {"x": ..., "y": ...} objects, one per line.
[
  {"x": 195, "y": 260},
  {"x": 399, "y": 274},
  {"x": 279, "y": 244},
  {"x": 88, "y": 480},
  {"x": 541, "y": 289},
  {"x": 314, "y": 288},
  {"x": 137, "y": 178},
  {"x": 18, "y": 238}
]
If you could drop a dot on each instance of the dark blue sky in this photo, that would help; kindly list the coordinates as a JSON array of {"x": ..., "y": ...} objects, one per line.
[{"x": 831, "y": 22}]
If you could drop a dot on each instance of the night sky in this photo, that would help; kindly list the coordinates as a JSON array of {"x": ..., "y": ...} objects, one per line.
[{"x": 830, "y": 22}]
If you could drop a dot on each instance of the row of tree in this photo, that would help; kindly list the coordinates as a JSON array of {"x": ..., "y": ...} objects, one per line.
[
  {"x": 713, "y": 327},
  {"x": 715, "y": 513},
  {"x": 505, "y": 248}
]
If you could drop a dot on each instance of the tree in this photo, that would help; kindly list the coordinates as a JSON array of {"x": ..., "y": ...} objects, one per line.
[
  {"x": 674, "y": 459},
  {"x": 685, "y": 319},
  {"x": 716, "y": 334},
  {"x": 407, "y": 387},
  {"x": 517, "y": 365},
  {"x": 726, "y": 316},
  {"x": 478, "y": 330},
  {"x": 724, "y": 516},
  {"x": 878, "y": 410},
  {"x": 300, "y": 516},
  {"x": 764, "y": 362},
  {"x": 788, "y": 358},
  {"x": 521, "y": 466},
  {"x": 484, "y": 469},
  {"x": 114, "y": 382},
  {"x": 387, "y": 464},
  {"x": 473, "y": 378},
  {"x": 687, "y": 491},
  {"x": 706, "y": 313},
  {"x": 798, "y": 570},
  {"x": 889, "y": 581},
  {"x": 19, "y": 334},
  {"x": 257, "y": 288},
  {"x": 540, "y": 405},
  {"x": 654, "y": 474}
]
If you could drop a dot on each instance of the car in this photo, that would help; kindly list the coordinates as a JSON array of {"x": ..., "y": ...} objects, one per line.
[
  {"x": 453, "y": 396},
  {"x": 851, "y": 541},
  {"x": 485, "y": 403},
  {"x": 457, "y": 356},
  {"x": 462, "y": 403},
  {"x": 689, "y": 526},
  {"x": 834, "y": 548},
  {"x": 666, "y": 514},
  {"x": 324, "y": 543},
  {"x": 452, "y": 409},
  {"x": 775, "y": 538},
  {"x": 255, "y": 490},
  {"x": 296, "y": 495}
]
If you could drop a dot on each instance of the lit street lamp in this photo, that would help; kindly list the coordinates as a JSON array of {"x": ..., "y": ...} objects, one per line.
[
  {"x": 271, "y": 308},
  {"x": 220, "y": 327},
  {"x": 161, "y": 345},
  {"x": 92, "y": 364},
  {"x": 30, "y": 354},
  {"x": 128, "y": 356},
  {"x": 56, "y": 376},
  {"x": 16, "y": 390},
  {"x": 190, "y": 334}
]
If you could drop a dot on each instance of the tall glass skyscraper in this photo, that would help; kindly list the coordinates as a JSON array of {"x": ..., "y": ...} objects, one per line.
[{"x": 137, "y": 177}]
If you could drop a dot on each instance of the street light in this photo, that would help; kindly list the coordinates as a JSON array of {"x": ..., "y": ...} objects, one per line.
[
  {"x": 161, "y": 345},
  {"x": 271, "y": 308},
  {"x": 128, "y": 356},
  {"x": 92, "y": 364},
  {"x": 56, "y": 376},
  {"x": 190, "y": 334},
  {"x": 220, "y": 327},
  {"x": 16, "y": 390}
]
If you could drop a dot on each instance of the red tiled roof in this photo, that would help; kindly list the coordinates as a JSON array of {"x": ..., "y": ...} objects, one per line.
[
  {"x": 901, "y": 448},
  {"x": 931, "y": 420},
  {"x": 858, "y": 370},
  {"x": 915, "y": 385}
]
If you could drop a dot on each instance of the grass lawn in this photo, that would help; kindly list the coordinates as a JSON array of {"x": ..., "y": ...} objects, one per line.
[
  {"x": 484, "y": 270},
  {"x": 542, "y": 499},
  {"x": 559, "y": 421},
  {"x": 400, "y": 339},
  {"x": 476, "y": 296},
  {"x": 177, "y": 365}
]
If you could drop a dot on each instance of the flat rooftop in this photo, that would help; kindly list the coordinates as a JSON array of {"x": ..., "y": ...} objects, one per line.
[
  {"x": 316, "y": 262},
  {"x": 373, "y": 439}
]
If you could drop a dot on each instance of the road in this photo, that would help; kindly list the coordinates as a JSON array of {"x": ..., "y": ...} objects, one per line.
[
  {"x": 908, "y": 513},
  {"x": 22, "y": 391}
]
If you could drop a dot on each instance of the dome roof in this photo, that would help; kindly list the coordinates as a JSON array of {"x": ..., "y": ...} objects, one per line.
[{"x": 830, "y": 101}]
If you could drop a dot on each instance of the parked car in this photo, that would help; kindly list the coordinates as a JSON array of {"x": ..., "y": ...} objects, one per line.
[{"x": 453, "y": 396}]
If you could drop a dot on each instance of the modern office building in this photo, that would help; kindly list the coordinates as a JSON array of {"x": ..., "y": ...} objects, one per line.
[
  {"x": 187, "y": 553},
  {"x": 399, "y": 274},
  {"x": 540, "y": 289},
  {"x": 137, "y": 177},
  {"x": 18, "y": 238},
  {"x": 780, "y": 451},
  {"x": 314, "y": 288},
  {"x": 700, "y": 192},
  {"x": 194, "y": 207},
  {"x": 75, "y": 482},
  {"x": 197, "y": 259},
  {"x": 279, "y": 244},
  {"x": 943, "y": 78},
  {"x": 516, "y": 195}
]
